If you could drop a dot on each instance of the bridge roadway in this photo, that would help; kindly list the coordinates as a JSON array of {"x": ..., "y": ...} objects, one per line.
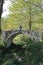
[{"x": 9, "y": 35}]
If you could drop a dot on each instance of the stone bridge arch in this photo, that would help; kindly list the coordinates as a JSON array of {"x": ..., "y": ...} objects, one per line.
[
  {"x": 9, "y": 35},
  {"x": 13, "y": 35}
]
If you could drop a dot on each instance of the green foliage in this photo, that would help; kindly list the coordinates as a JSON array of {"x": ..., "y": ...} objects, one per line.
[
  {"x": 31, "y": 55},
  {"x": 23, "y": 13},
  {"x": 21, "y": 39},
  {"x": 1, "y": 40}
]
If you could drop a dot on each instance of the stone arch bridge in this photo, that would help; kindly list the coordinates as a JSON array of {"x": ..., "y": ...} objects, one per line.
[{"x": 9, "y": 35}]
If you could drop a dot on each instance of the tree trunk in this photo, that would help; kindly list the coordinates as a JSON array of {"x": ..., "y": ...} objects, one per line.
[
  {"x": 1, "y": 7},
  {"x": 30, "y": 22},
  {"x": 30, "y": 16}
]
